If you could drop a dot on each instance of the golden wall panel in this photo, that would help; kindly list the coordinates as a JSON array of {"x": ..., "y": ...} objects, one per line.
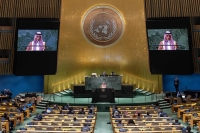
[
  {"x": 51, "y": 8},
  {"x": 5, "y": 68},
  {"x": 26, "y": 8},
  {"x": 23, "y": 9},
  {"x": 196, "y": 44},
  {"x": 6, "y": 40},
  {"x": 172, "y": 8},
  {"x": 177, "y": 8},
  {"x": 7, "y": 8},
  {"x": 77, "y": 57}
]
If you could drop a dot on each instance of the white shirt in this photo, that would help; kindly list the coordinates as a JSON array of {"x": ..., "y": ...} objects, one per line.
[{"x": 168, "y": 46}]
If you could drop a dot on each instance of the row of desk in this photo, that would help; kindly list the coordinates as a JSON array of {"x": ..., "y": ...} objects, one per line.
[
  {"x": 194, "y": 109},
  {"x": 17, "y": 116}
]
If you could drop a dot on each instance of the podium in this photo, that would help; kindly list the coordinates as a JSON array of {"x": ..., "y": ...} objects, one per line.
[{"x": 103, "y": 95}]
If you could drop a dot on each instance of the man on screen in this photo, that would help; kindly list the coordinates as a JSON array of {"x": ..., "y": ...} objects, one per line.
[
  {"x": 168, "y": 43},
  {"x": 37, "y": 44}
]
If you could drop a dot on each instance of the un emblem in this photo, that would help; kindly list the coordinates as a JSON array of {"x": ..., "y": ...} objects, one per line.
[{"x": 102, "y": 25}]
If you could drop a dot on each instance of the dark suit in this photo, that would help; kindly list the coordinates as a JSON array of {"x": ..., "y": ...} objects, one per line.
[
  {"x": 176, "y": 85},
  {"x": 104, "y": 75}
]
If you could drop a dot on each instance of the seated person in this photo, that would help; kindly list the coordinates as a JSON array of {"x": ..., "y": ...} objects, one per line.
[
  {"x": 85, "y": 128},
  {"x": 115, "y": 109},
  {"x": 91, "y": 112},
  {"x": 162, "y": 114},
  {"x": 5, "y": 115},
  {"x": 9, "y": 94},
  {"x": 75, "y": 120},
  {"x": 25, "y": 105},
  {"x": 147, "y": 115},
  {"x": 178, "y": 94},
  {"x": 120, "y": 123},
  {"x": 116, "y": 114},
  {"x": 5, "y": 91},
  {"x": 61, "y": 112},
  {"x": 56, "y": 107},
  {"x": 2, "y": 93},
  {"x": 196, "y": 96},
  {"x": 38, "y": 117},
  {"x": 125, "y": 114},
  {"x": 23, "y": 128},
  {"x": 90, "y": 107},
  {"x": 188, "y": 129},
  {"x": 139, "y": 115},
  {"x": 104, "y": 74},
  {"x": 49, "y": 109},
  {"x": 45, "y": 111},
  {"x": 22, "y": 110},
  {"x": 71, "y": 111},
  {"x": 130, "y": 121},
  {"x": 157, "y": 108},
  {"x": 15, "y": 104},
  {"x": 176, "y": 122},
  {"x": 65, "y": 107},
  {"x": 81, "y": 111},
  {"x": 192, "y": 109},
  {"x": 113, "y": 74}
]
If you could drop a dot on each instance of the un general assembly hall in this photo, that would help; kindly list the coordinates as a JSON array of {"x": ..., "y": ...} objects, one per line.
[{"x": 99, "y": 66}]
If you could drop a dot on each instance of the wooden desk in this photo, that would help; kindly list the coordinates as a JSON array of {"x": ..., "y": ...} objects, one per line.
[
  {"x": 1, "y": 97},
  {"x": 17, "y": 115},
  {"x": 77, "y": 107},
  {"x": 14, "y": 120},
  {"x": 27, "y": 111},
  {"x": 133, "y": 107},
  {"x": 64, "y": 128},
  {"x": 20, "y": 116},
  {"x": 72, "y": 115},
  {"x": 63, "y": 119},
  {"x": 6, "y": 125},
  {"x": 152, "y": 126},
  {"x": 42, "y": 131},
  {"x": 151, "y": 111},
  {"x": 163, "y": 131},
  {"x": 189, "y": 114},
  {"x": 180, "y": 111},
  {"x": 192, "y": 99},
  {"x": 199, "y": 124},
  {"x": 33, "y": 108},
  {"x": 142, "y": 129},
  {"x": 124, "y": 118},
  {"x": 71, "y": 121},
  {"x": 176, "y": 106},
  {"x": 6, "y": 104},
  {"x": 194, "y": 120}
]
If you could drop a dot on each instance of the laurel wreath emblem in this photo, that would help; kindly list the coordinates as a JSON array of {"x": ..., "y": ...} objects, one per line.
[{"x": 104, "y": 38}]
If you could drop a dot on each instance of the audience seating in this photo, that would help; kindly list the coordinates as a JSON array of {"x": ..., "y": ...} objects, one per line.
[
  {"x": 54, "y": 122},
  {"x": 143, "y": 123}
]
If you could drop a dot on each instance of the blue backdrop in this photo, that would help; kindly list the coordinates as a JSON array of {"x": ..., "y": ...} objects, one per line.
[
  {"x": 18, "y": 84},
  {"x": 187, "y": 82}
]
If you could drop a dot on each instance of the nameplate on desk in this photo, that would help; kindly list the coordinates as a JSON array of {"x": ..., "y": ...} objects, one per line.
[{"x": 103, "y": 96}]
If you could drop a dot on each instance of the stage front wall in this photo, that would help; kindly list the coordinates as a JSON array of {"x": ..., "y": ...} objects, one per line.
[
  {"x": 78, "y": 58},
  {"x": 111, "y": 82}
]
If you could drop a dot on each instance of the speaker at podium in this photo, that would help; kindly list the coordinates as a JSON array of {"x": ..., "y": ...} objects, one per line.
[{"x": 103, "y": 95}]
